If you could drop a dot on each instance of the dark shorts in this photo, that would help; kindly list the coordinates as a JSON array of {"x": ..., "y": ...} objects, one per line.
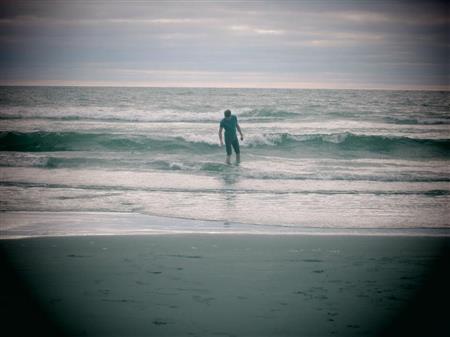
[{"x": 235, "y": 144}]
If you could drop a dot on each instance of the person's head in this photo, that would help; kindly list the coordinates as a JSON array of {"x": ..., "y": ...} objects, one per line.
[{"x": 227, "y": 113}]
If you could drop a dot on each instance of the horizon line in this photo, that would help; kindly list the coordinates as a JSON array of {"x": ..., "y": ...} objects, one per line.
[{"x": 105, "y": 85}]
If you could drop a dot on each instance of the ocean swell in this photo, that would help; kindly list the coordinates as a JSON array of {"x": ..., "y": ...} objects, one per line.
[
  {"x": 73, "y": 141},
  {"x": 332, "y": 143}
]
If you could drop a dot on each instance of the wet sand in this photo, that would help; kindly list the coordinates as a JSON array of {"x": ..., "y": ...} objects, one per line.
[{"x": 226, "y": 285}]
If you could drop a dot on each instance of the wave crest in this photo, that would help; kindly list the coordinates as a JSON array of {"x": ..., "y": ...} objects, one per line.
[{"x": 268, "y": 113}]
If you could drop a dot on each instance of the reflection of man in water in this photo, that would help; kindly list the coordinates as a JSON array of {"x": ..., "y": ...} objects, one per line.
[{"x": 230, "y": 124}]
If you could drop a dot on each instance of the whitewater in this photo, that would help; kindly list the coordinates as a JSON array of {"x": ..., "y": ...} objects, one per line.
[{"x": 312, "y": 160}]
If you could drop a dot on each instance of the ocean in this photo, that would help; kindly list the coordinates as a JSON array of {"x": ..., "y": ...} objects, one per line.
[{"x": 312, "y": 160}]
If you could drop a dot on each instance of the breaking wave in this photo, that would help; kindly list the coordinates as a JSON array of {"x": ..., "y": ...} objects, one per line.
[{"x": 332, "y": 143}]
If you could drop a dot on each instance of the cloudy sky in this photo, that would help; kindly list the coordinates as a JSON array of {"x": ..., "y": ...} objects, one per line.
[{"x": 294, "y": 44}]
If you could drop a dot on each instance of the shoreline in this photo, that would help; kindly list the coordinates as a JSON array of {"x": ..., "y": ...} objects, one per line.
[{"x": 35, "y": 224}]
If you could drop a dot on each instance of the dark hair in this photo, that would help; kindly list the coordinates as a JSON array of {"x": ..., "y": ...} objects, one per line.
[{"x": 227, "y": 113}]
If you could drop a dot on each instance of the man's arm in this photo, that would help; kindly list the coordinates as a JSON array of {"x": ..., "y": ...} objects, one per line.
[
  {"x": 220, "y": 136},
  {"x": 240, "y": 131}
]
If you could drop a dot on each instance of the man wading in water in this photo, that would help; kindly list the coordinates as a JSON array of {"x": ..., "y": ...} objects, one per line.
[{"x": 230, "y": 124}]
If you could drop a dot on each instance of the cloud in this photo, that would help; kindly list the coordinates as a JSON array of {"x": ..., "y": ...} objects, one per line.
[
  {"x": 366, "y": 17},
  {"x": 254, "y": 30},
  {"x": 36, "y": 20},
  {"x": 335, "y": 39}
]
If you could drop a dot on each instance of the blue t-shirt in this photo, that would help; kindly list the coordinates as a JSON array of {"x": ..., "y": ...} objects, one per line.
[{"x": 229, "y": 125}]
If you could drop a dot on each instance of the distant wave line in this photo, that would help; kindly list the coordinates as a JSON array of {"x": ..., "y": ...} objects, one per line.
[{"x": 253, "y": 115}]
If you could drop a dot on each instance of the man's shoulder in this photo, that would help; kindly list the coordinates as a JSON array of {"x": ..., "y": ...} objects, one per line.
[{"x": 228, "y": 120}]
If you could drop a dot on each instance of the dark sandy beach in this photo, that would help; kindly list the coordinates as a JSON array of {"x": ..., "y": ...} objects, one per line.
[{"x": 225, "y": 285}]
